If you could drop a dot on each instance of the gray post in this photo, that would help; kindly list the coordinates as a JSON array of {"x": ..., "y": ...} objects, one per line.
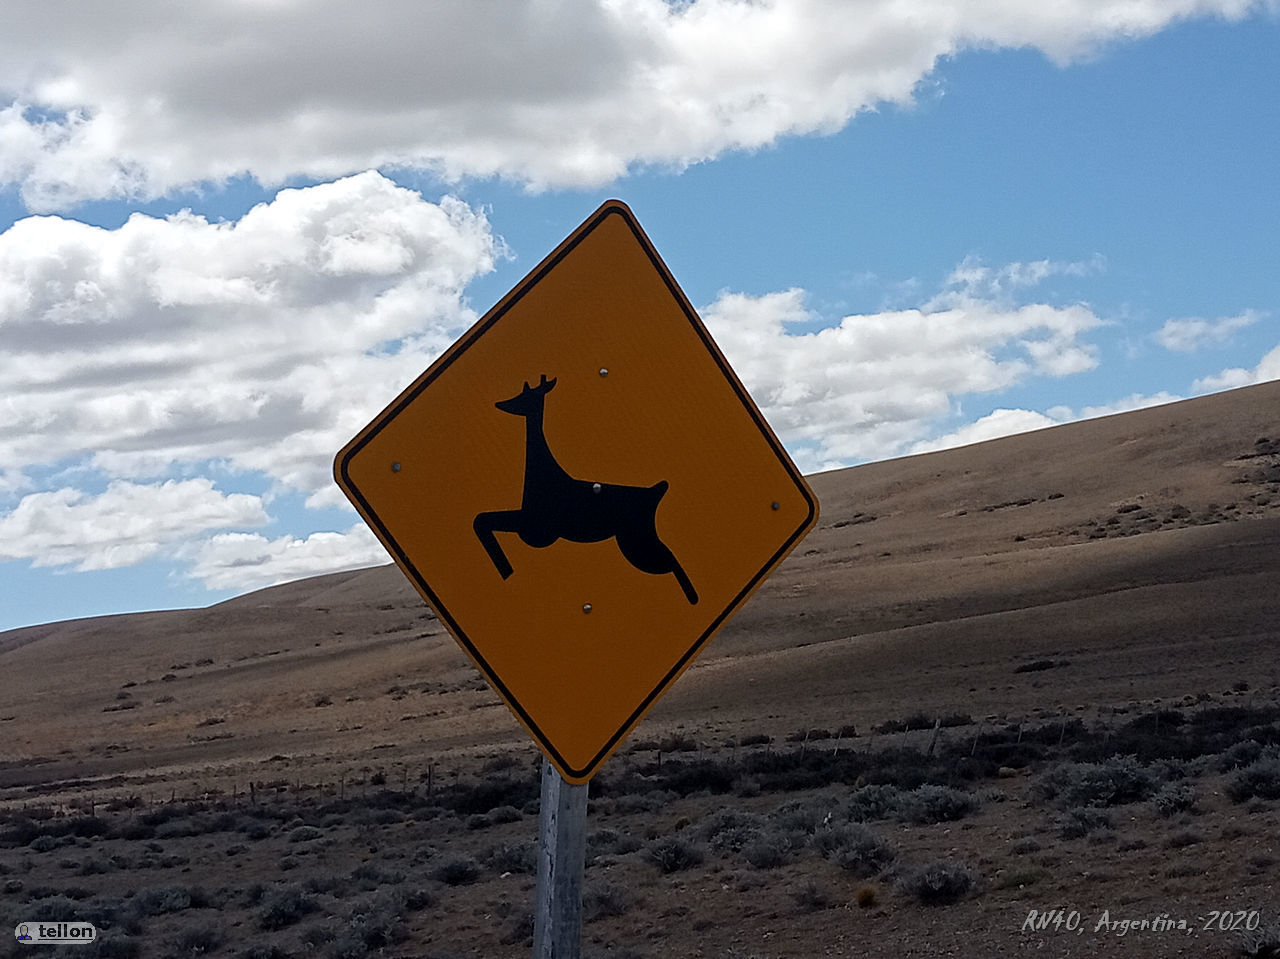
[{"x": 562, "y": 847}]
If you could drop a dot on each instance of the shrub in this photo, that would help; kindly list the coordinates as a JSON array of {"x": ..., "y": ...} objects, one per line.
[
  {"x": 731, "y": 829},
  {"x": 304, "y": 834},
  {"x": 54, "y": 908},
  {"x": 603, "y": 901},
  {"x": 418, "y": 898},
  {"x": 856, "y": 849},
  {"x": 803, "y": 818},
  {"x": 183, "y": 828},
  {"x": 166, "y": 899},
  {"x": 1117, "y": 781},
  {"x": 458, "y": 871},
  {"x": 766, "y": 852},
  {"x": 1183, "y": 838},
  {"x": 608, "y": 842},
  {"x": 808, "y": 735},
  {"x": 1260, "y": 779},
  {"x": 873, "y": 802},
  {"x": 1260, "y": 943},
  {"x": 374, "y": 924},
  {"x": 199, "y": 941},
  {"x": 1081, "y": 821},
  {"x": 678, "y": 743},
  {"x": 811, "y": 897},
  {"x": 517, "y": 857},
  {"x": 1174, "y": 798},
  {"x": 332, "y": 882},
  {"x": 673, "y": 854},
  {"x": 284, "y": 907},
  {"x": 938, "y": 883},
  {"x": 931, "y": 804},
  {"x": 1241, "y": 754},
  {"x": 112, "y": 946},
  {"x": 370, "y": 876},
  {"x": 254, "y": 828},
  {"x": 98, "y": 866},
  {"x": 505, "y": 814}
]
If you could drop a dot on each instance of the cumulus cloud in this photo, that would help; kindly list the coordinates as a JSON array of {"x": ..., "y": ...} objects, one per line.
[
  {"x": 974, "y": 279},
  {"x": 124, "y": 525},
  {"x": 1267, "y": 369},
  {"x": 872, "y": 385},
  {"x": 139, "y": 98},
  {"x": 994, "y": 425},
  {"x": 264, "y": 343},
  {"x": 1006, "y": 422},
  {"x": 1134, "y": 401},
  {"x": 243, "y": 561},
  {"x": 1193, "y": 333}
]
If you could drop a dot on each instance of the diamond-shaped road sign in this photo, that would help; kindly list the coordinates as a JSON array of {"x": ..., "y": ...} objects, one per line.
[{"x": 582, "y": 490}]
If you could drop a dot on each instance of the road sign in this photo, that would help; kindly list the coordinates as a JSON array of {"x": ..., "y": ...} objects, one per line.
[{"x": 582, "y": 490}]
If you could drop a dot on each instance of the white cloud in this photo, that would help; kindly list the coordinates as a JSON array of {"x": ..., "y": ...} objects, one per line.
[
  {"x": 994, "y": 425},
  {"x": 1135, "y": 401},
  {"x": 139, "y": 98},
  {"x": 124, "y": 525},
  {"x": 973, "y": 279},
  {"x": 873, "y": 385},
  {"x": 264, "y": 343},
  {"x": 1267, "y": 369},
  {"x": 1006, "y": 422},
  {"x": 1193, "y": 333},
  {"x": 244, "y": 561}
]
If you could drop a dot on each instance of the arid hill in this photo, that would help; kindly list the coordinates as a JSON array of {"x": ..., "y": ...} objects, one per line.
[
  {"x": 1138, "y": 553},
  {"x": 1020, "y": 696}
]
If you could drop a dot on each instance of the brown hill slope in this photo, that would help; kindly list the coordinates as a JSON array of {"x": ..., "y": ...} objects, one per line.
[{"x": 1138, "y": 553}]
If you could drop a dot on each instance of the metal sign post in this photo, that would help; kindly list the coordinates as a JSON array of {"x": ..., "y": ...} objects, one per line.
[{"x": 562, "y": 847}]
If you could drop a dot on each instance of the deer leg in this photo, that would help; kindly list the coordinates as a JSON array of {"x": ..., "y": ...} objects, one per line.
[
  {"x": 498, "y": 521},
  {"x": 682, "y": 578},
  {"x": 647, "y": 553}
]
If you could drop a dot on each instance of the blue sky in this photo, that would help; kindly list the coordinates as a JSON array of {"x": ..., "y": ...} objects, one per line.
[{"x": 905, "y": 232}]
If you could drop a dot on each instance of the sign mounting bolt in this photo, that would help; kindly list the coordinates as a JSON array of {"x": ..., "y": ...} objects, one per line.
[
  {"x": 586, "y": 607},
  {"x": 595, "y": 487},
  {"x": 775, "y": 505},
  {"x": 603, "y": 371},
  {"x": 395, "y": 467}
]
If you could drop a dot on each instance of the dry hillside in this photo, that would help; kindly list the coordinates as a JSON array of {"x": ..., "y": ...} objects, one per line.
[{"x": 1073, "y": 579}]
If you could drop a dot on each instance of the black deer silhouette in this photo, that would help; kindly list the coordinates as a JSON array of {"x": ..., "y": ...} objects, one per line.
[{"x": 557, "y": 506}]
